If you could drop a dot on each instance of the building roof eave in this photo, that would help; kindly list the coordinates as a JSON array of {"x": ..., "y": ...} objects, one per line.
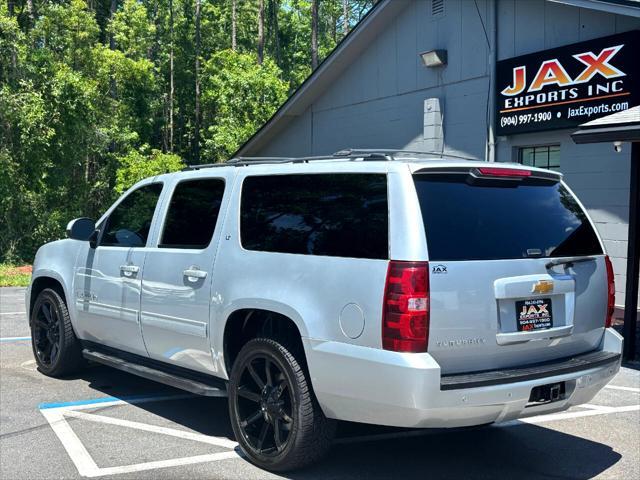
[
  {"x": 623, "y": 133},
  {"x": 630, "y": 8},
  {"x": 621, "y": 126},
  {"x": 323, "y": 76}
]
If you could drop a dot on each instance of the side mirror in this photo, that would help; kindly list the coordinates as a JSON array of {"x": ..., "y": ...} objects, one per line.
[{"x": 81, "y": 229}]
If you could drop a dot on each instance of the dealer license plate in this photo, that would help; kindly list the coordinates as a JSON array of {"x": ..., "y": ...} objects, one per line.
[{"x": 534, "y": 314}]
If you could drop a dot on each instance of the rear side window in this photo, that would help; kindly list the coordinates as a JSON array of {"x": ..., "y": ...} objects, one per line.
[
  {"x": 129, "y": 223},
  {"x": 193, "y": 213},
  {"x": 340, "y": 215},
  {"x": 501, "y": 220}
]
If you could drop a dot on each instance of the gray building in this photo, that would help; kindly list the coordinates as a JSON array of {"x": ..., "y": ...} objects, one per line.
[{"x": 376, "y": 90}]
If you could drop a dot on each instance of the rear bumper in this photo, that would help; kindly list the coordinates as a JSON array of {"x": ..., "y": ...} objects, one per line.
[
  {"x": 578, "y": 363},
  {"x": 406, "y": 390}
]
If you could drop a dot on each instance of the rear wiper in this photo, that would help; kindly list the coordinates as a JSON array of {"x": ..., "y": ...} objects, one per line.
[{"x": 568, "y": 263}]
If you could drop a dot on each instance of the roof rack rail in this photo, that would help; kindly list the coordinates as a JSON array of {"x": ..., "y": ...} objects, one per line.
[
  {"x": 349, "y": 153},
  {"x": 372, "y": 155},
  {"x": 358, "y": 152},
  {"x": 203, "y": 165},
  {"x": 242, "y": 161}
]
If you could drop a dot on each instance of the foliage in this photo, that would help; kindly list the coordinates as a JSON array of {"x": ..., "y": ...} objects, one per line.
[
  {"x": 14, "y": 276},
  {"x": 238, "y": 96},
  {"x": 136, "y": 165},
  {"x": 131, "y": 30},
  {"x": 87, "y": 109}
]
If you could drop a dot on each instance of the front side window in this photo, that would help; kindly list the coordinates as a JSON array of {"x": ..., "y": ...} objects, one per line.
[
  {"x": 193, "y": 213},
  {"x": 341, "y": 215},
  {"x": 130, "y": 222}
]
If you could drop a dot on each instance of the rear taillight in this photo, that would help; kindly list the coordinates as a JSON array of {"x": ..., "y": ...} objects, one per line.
[
  {"x": 504, "y": 172},
  {"x": 611, "y": 293},
  {"x": 405, "y": 313}
]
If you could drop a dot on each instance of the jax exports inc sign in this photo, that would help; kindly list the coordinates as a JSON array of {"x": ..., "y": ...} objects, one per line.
[{"x": 567, "y": 86}]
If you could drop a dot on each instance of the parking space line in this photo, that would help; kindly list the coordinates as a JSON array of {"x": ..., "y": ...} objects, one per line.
[
  {"x": 624, "y": 389},
  {"x": 14, "y": 339},
  {"x": 112, "y": 401},
  {"x": 176, "y": 462},
  {"x": 568, "y": 415},
  {"x": 57, "y": 413},
  {"x": 79, "y": 455},
  {"x": 198, "y": 437},
  {"x": 593, "y": 410},
  {"x": 601, "y": 408},
  {"x": 13, "y": 313}
]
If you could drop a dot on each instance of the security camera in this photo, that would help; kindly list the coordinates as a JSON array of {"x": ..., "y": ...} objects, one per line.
[{"x": 617, "y": 147}]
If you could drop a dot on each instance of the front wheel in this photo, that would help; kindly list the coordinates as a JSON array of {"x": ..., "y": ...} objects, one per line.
[
  {"x": 55, "y": 346},
  {"x": 274, "y": 414}
]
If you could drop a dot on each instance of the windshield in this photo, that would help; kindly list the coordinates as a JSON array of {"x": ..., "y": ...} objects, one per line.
[{"x": 502, "y": 219}]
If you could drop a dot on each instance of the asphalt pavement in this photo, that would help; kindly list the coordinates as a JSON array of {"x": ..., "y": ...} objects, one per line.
[{"x": 108, "y": 424}]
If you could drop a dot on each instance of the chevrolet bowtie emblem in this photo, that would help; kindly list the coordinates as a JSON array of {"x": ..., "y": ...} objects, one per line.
[{"x": 542, "y": 286}]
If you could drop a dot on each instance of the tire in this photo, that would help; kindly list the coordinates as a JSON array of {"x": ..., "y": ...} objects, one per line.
[
  {"x": 282, "y": 400},
  {"x": 55, "y": 346}
]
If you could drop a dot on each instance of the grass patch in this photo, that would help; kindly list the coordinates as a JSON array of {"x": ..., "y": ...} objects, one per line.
[{"x": 14, "y": 276}]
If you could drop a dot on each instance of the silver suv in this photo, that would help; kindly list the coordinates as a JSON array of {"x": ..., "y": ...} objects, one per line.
[{"x": 385, "y": 288}]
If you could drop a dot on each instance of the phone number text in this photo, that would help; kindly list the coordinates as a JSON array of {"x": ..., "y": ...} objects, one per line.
[{"x": 525, "y": 118}]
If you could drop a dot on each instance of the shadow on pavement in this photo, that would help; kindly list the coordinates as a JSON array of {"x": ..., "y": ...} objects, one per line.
[{"x": 523, "y": 451}]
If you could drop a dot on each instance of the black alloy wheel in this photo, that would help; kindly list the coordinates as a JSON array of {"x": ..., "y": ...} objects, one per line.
[
  {"x": 274, "y": 413},
  {"x": 264, "y": 405},
  {"x": 55, "y": 346},
  {"x": 46, "y": 333}
]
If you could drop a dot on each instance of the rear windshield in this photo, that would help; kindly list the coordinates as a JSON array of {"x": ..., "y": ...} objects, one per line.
[{"x": 501, "y": 219}]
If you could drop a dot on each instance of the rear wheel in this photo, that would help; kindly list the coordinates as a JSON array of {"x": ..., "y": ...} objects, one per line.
[
  {"x": 274, "y": 414},
  {"x": 55, "y": 346}
]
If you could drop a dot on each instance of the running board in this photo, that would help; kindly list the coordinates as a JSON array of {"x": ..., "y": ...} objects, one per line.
[{"x": 155, "y": 374}]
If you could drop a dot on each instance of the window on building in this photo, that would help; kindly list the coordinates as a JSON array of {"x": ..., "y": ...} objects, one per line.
[
  {"x": 193, "y": 213},
  {"x": 340, "y": 215},
  {"x": 544, "y": 156},
  {"x": 130, "y": 222}
]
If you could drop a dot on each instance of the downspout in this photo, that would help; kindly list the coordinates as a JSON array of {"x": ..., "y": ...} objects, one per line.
[{"x": 493, "y": 57}]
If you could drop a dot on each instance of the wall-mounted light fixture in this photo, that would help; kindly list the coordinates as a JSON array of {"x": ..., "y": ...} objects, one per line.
[{"x": 434, "y": 58}]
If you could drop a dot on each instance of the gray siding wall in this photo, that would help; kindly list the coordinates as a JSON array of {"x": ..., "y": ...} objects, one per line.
[
  {"x": 598, "y": 175},
  {"x": 378, "y": 100}
]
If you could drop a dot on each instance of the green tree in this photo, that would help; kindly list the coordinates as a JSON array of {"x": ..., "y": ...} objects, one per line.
[
  {"x": 238, "y": 96},
  {"x": 139, "y": 164},
  {"x": 96, "y": 94},
  {"x": 132, "y": 31}
]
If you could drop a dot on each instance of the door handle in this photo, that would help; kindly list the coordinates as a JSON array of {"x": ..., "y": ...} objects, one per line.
[
  {"x": 194, "y": 274},
  {"x": 129, "y": 270}
]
